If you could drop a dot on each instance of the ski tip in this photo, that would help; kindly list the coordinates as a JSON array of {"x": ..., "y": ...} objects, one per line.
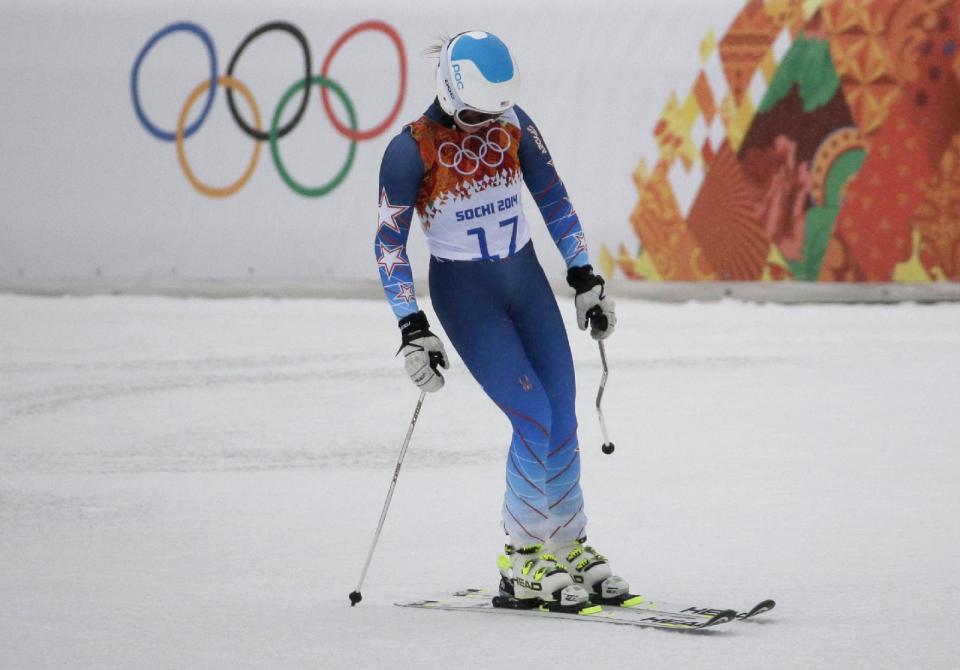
[{"x": 760, "y": 608}]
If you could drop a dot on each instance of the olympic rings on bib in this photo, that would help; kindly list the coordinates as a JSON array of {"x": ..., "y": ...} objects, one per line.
[
  {"x": 473, "y": 150},
  {"x": 275, "y": 132}
]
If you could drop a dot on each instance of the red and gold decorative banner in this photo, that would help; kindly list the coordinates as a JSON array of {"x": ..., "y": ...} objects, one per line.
[{"x": 820, "y": 141}]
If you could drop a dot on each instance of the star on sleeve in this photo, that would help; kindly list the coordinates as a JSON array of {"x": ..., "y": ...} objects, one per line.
[
  {"x": 390, "y": 258},
  {"x": 581, "y": 242},
  {"x": 405, "y": 293},
  {"x": 389, "y": 214}
]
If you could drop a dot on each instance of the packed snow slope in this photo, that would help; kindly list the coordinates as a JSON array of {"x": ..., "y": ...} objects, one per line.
[{"x": 195, "y": 483}]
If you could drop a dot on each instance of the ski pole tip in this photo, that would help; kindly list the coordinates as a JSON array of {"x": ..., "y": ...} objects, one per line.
[
  {"x": 607, "y": 448},
  {"x": 355, "y": 597}
]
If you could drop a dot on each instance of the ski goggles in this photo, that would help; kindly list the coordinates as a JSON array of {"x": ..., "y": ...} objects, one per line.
[{"x": 472, "y": 119}]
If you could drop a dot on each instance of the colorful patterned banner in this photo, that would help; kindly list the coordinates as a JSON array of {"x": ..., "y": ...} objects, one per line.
[{"x": 820, "y": 141}]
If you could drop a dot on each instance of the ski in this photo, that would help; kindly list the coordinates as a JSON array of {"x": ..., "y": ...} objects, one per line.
[
  {"x": 632, "y": 601},
  {"x": 487, "y": 602}
]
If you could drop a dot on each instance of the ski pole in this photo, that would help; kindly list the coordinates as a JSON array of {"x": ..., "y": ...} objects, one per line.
[
  {"x": 607, "y": 447},
  {"x": 355, "y": 596}
]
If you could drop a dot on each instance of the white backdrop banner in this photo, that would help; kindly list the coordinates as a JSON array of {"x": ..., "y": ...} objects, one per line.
[{"x": 94, "y": 185}]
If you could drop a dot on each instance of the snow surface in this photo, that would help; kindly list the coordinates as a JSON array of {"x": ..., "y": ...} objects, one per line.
[{"x": 195, "y": 483}]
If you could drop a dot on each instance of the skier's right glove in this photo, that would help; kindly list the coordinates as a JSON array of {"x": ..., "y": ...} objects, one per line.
[{"x": 422, "y": 352}]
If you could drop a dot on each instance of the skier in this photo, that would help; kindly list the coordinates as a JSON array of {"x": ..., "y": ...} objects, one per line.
[{"x": 460, "y": 167}]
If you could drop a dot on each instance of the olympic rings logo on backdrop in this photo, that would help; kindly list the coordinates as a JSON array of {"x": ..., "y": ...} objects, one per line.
[
  {"x": 256, "y": 131},
  {"x": 467, "y": 157}
]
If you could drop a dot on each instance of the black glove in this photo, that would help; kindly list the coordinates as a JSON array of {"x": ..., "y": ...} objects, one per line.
[
  {"x": 422, "y": 352},
  {"x": 593, "y": 306}
]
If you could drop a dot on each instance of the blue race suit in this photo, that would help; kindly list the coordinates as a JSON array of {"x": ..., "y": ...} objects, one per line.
[{"x": 491, "y": 295}]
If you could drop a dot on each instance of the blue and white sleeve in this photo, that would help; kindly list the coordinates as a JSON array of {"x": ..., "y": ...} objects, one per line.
[
  {"x": 400, "y": 174},
  {"x": 550, "y": 194}
]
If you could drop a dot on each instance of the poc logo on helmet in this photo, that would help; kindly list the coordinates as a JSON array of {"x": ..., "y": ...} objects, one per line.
[{"x": 457, "y": 75}]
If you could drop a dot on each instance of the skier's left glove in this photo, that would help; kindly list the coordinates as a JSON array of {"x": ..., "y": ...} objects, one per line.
[
  {"x": 593, "y": 305},
  {"x": 422, "y": 352}
]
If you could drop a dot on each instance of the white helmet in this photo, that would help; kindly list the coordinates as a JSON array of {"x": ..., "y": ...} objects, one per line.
[{"x": 477, "y": 73}]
